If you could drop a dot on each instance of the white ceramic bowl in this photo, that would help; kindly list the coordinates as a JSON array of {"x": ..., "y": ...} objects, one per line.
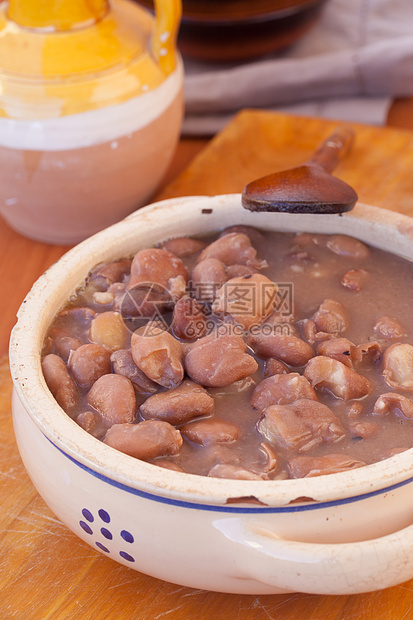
[{"x": 338, "y": 534}]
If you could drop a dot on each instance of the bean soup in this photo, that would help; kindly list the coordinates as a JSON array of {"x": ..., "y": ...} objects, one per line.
[{"x": 249, "y": 355}]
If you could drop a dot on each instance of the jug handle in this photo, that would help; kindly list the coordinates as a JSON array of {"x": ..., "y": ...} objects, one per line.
[{"x": 168, "y": 15}]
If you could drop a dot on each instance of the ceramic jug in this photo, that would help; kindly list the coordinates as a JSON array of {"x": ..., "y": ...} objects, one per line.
[{"x": 91, "y": 108}]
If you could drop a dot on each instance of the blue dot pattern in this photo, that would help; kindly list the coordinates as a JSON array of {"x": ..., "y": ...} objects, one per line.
[
  {"x": 88, "y": 515},
  {"x": 85, "y": 527},
  {"x": 127, "y": 536},
  {"x": 104, "y": 515},
  {"x": 105, "y": 532}
]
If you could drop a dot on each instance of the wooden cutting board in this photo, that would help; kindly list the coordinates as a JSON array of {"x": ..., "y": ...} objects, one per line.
[
  {"x": 48, "y": 573},
  {"x": 379, "y": 165}
]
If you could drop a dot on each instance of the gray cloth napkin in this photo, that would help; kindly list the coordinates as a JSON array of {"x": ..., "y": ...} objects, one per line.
[{"x": 349, "y": 66}]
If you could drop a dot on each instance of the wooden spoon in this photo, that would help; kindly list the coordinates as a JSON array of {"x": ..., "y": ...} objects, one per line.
[{"x": 310, "y": 188}]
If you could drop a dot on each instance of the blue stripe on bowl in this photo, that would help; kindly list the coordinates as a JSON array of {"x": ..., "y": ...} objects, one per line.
[{"x": 231, "y": 509}]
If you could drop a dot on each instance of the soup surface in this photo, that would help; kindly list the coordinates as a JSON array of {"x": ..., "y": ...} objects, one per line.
[{"x": 249, "y": 355}]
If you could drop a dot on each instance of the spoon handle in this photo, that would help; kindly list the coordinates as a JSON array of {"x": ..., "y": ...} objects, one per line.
[{"x": 333, "y": 149}]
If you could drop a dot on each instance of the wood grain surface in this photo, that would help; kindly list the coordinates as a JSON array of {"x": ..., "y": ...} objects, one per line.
[
  {"x": 48, "y": 573},
  {"x": 258, "y": 143}
]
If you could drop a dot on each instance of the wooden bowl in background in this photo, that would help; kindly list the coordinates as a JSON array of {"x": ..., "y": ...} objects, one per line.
[{"x": 232, "y": 30}]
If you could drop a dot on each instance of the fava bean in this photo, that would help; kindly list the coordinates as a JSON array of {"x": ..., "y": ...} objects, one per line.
[
  {"x": 145, "y": 441},
  {"x": 367, "y": 354},
  {"x": 363, "y": 429},
  {"x": 144, "y": 301},
  {"x": 300, "y": 425},
  {"x": 157, "y": 266},
  {"x": 303, "y": 240},
  {"x": 232, "y": 249},
  {"x": 207, "y": 278},
  {"x": 219, "y": 453},
  {"x": 234, "y": 472},
  {"x": 394, "y": 403},
  {"x": 189, "y": 319},
  {"x": 275, "y": 367},
  {"x": 339, "y": 349},
  {"x": 92, "y": 423},
  {"x": 217, "y": 361},
  {"x": 255, "y": 236},
  {"x": 343, "y": 382},
  {"x": 271, "y": 459},
  {"x": 79, "y": 315},
  {"x": 123, "y": 364},
  {"x": 183, "y": 246},
  {"x": 288, "y": 348},
  {"x": 248, "y": 300},
  {"x": 179, "y": 405},
  {"x": 348, "y": 246},
  {"x": 309, "y": 467},
  {"x": 388, "y": 328},
  {"x": 108, "y": 330},
  {"x": 103, "y": 298},
  {"x": 59, "y": 382},
  {"x": 159, "y": 355},
  {"x": 331, "y": 317},
  {"x": 281, "y": 390},
  {"x": 238, "y": 271},
  {"x": 88, "y": 363},
  {"x": 108, "y": 273},
  {"x": 398, "y": 366},
  {"x": 309, "y": 330},
  {"x": 209, "y": 431},
  {"x": 63, "y": 343},
  {"x": 113, "y": 397},
  {"x": 354, "y": 279}
]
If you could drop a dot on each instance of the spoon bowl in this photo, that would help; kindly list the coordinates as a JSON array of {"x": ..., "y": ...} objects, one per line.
[{"x": 309, "y": 188}]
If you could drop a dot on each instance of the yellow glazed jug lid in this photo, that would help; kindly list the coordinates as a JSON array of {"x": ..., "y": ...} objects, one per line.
[{"x": 61, "y": 57}]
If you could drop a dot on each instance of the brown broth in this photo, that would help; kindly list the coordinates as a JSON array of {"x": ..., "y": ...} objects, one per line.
[{"x": 314, "y": 277}]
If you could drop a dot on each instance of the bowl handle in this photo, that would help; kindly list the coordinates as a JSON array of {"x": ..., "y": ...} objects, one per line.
[
  {"x": 318, "y": 568},
  {"x": 168, "y": 15}
]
